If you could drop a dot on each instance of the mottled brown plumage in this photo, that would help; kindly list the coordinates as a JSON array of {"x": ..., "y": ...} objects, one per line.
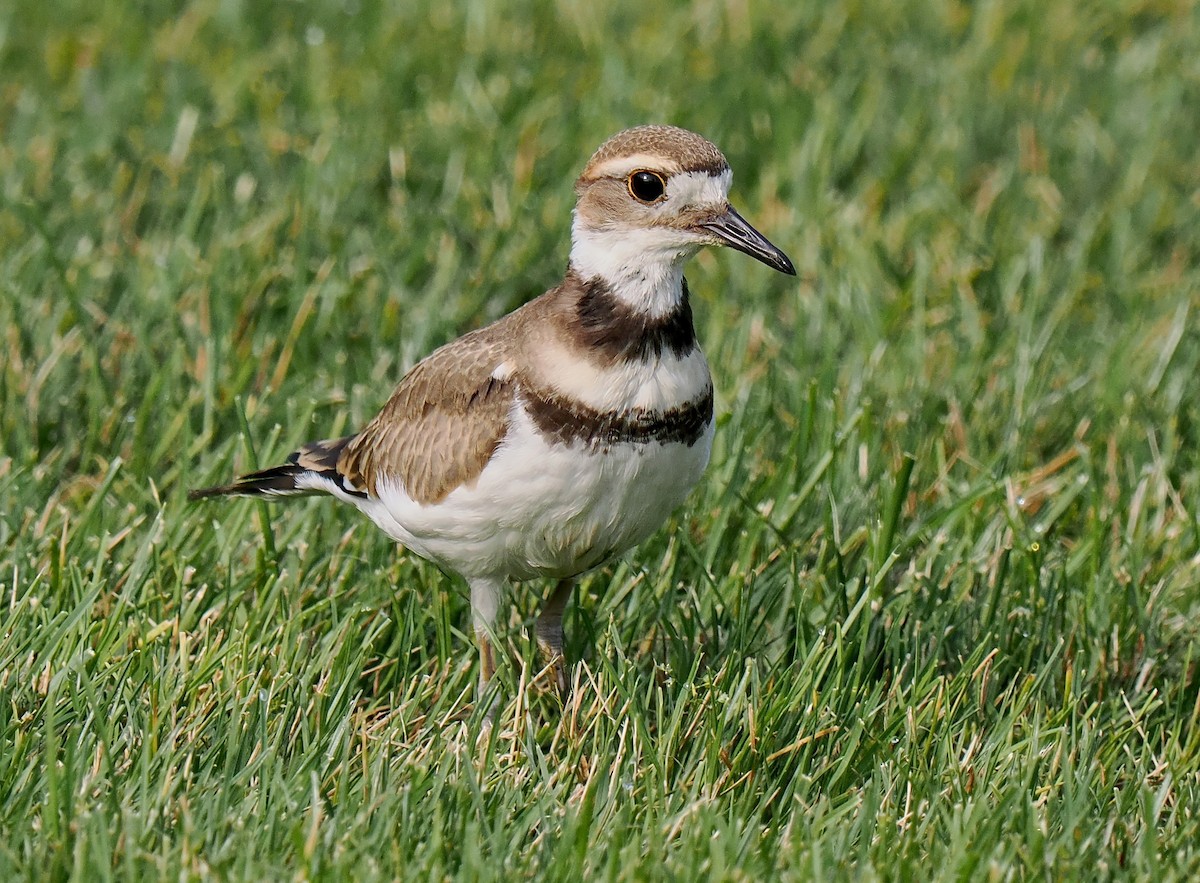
[
  {"x": 678, "y": 150},
  {"x": 441, "y": 425}
]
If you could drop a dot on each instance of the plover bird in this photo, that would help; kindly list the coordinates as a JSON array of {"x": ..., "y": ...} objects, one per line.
[{"x": 560, "y": 436}]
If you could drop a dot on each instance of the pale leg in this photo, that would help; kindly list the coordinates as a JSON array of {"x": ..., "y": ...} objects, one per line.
[
  {"x": 485, "y": 602},
  {"x": 550, "y": 633}
]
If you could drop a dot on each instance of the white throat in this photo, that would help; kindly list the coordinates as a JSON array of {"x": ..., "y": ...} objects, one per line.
[{"x": 641, "y": 267}]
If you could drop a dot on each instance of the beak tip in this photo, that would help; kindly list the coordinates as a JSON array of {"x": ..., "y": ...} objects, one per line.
[{"x": 733, "y": 230}]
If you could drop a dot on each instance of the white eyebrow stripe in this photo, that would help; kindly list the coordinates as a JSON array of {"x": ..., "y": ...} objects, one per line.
[{"x": 620, "y": 166}]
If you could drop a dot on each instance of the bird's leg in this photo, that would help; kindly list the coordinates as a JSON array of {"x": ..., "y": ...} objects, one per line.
[
  {"x": 485, "y": 602},
  {"x": 550, "y": 633},
  {"x": 487, "y": 661}
]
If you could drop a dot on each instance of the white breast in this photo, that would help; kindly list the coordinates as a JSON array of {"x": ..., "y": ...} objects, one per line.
[
  {"x": 541, "y": 509},
  {"x": 659, "y": 384}
]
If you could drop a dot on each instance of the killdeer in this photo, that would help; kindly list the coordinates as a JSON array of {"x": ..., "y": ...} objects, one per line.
[{"x": 558, "y": 437}]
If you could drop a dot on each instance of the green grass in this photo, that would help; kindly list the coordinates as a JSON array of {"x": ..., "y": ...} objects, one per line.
[{"x": 932, "y": 614}]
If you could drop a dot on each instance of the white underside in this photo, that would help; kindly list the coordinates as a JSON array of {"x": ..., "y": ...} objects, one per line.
[{"x": 541, "y": 509}]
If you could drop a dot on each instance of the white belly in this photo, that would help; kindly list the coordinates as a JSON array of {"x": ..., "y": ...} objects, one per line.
[{"x": 541, "y": 509}]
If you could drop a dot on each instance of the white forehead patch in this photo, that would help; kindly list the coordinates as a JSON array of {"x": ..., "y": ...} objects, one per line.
[{"x": 699, "y": 188}]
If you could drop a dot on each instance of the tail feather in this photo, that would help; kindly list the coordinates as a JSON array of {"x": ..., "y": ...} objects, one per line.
[{"x": 291, "y": 479}]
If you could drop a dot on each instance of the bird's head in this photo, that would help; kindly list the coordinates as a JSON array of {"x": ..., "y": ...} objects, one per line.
[{"x": 653, "y": 196}]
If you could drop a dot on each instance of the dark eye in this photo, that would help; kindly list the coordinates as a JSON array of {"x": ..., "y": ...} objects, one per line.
[{"x": 646, "y": 186}]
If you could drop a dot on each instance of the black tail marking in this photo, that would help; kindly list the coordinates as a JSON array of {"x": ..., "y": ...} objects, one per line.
[
  {"x": 276, "y": 481},
  {"x": 316, "y": 458}
]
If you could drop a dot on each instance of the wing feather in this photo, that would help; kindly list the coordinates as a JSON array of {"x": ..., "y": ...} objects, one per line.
[{"x": 441, "y": 425}]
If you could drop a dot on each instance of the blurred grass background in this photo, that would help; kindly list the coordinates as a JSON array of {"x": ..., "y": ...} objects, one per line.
[{"x": 931, "y": 614}]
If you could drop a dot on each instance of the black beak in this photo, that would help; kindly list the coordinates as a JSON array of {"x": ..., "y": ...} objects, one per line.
[{"x": 733, "y": 230}]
